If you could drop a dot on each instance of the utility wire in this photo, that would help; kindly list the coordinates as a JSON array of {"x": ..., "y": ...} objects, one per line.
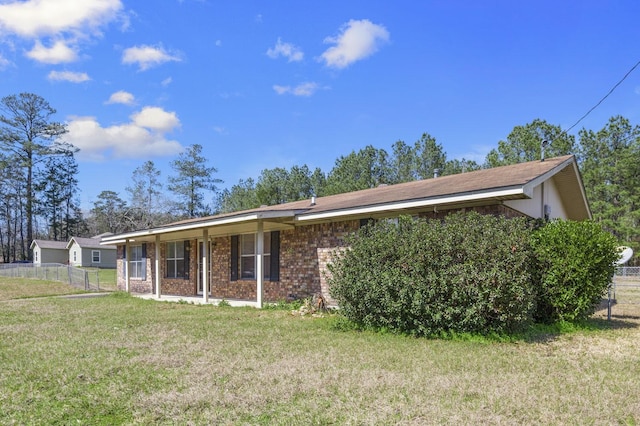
[{"x": 605, "y": 97}]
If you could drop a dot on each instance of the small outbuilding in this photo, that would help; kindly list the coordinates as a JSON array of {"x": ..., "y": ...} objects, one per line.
[
  {"x": 89, "y": 253},
  {"x": 46, "y": 251}
]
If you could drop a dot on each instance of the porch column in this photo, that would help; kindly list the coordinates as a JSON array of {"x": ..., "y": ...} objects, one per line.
[
  {"x": 259, "y": 267},
  {"x": 127, "y": 255},
  {"x": 205, "y": 265},
  {"x": 157, "y": 267}
]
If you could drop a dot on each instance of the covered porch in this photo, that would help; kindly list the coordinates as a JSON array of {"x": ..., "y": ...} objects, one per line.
[{"x": 204, "y": 237}]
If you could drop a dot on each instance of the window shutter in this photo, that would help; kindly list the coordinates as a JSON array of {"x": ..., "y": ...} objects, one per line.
[
  {"x": 275, "y": 256},
  {"x": 187, "y": 258},
  {"x": 234, "y": 257},
  {"x": 124, "y": 261},
  {"x": 144, "y": 261}
]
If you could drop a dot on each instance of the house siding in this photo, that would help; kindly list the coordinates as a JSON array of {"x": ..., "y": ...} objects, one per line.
[
  {"x": 545, "y": 194},
  {"x": 51, "y": 255}
]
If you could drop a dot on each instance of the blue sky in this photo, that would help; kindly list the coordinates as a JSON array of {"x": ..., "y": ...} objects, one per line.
[{"x": 276, "y": 84}]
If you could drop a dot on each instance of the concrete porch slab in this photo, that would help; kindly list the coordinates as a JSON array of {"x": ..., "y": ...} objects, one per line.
[{"x": 196, "y": 300}]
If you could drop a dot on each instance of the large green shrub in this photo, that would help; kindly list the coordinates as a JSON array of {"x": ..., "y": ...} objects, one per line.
[
  {"x": 466, "y": 273},
  {"x": 575, "y": 264}
]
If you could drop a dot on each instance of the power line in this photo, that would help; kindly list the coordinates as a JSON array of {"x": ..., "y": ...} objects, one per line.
[{"x": 605, "y": 97}]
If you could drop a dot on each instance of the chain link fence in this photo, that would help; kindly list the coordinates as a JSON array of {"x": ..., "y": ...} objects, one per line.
[
  {"x": 628, "y": 271},
  {"x": 624, "y": 293},
  {"x": 88, "y": 280}
]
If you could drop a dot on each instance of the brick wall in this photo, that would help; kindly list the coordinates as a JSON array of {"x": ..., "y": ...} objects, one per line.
[
  {"x": 180, "y": 286},
  {"x": 172, "y": 286},
  {"x": 305, "y": 252},
  {"x": 136, "y": 285},
  {"x": 221, "y": 285}
]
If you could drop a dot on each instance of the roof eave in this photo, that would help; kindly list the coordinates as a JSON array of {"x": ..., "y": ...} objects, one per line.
[
  {"x": 504, "y": 193},
  {"x": 227, "y": 220}
]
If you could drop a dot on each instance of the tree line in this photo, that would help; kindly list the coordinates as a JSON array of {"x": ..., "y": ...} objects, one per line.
[{"x": 40, "y": 189}]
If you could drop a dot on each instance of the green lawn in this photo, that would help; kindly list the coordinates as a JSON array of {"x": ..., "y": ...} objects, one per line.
[
  {"x": 20, "y": 288},
  {"x": 121, "y": 360},
  {"x": 105, "y": 278}
]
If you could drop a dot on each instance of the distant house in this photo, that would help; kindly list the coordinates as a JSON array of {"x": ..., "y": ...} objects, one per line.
[
  {"x": 45, "y": 251},
  {"x": 281, "y": 252},
  {"x": 89, "y": 252}
]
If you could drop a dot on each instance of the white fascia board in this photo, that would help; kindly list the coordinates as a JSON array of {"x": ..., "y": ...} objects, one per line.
[
  {"x": 119, "y": 239},
  {"x": 548, "y": 175},
  {"x": 412, "y": 204},
  {"x": 113, "y": 242},
  {"x": 207, "y": 224}
]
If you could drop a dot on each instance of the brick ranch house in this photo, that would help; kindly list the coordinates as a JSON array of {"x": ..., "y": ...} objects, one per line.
[{"x": 280, "y": 252}]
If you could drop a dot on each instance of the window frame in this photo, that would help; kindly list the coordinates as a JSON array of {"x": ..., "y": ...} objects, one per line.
[
  {"x": 93, "y": 256},
  {"x": 136, "y": 262},
  {"x": 177, "y": 267},
  {"x": 242, "y": 258}
]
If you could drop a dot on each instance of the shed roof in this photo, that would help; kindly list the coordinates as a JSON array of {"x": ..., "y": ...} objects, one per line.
[
  {"x": 49, "y": 244},
  {"x": 92, "y": 243}
]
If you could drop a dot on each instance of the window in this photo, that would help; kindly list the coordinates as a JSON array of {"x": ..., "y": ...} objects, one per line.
[
  {"x": 75, "y": 256},
  {"x": 95, "y": 256},
  {"x": 178, "y": 259},
  {"x": 243, "y": 256},
  {"x": 137, "y": 264}
]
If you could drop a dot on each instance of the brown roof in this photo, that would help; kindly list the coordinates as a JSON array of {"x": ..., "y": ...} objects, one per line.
[
  {"x": 501, "y": 183},
  {"x": 478, "y": 182}
]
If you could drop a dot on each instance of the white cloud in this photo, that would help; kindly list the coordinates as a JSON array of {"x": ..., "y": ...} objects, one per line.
[
  {"x": 143, "y": 137},
  {"x": 357, "y": 40},
  {"x": 72, "y": 77},
  {"x": 303, "y": 89},
  {"x": 64, "y": 23},
  {"x": 36, "y": 18},
  {"x": 147, "y": 56},
  {"x": 167, "y": 81},
  {"x": 56, "y": 54},
  {"x": 121, "y": 97},
  {"x": 156, "y": 118},
  {"x": 288, "y": 50}
]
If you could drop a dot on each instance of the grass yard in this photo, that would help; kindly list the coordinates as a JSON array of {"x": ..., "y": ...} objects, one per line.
[
  {"x": 21, "y": 288},
  {"x": 117, "y": 359}
]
